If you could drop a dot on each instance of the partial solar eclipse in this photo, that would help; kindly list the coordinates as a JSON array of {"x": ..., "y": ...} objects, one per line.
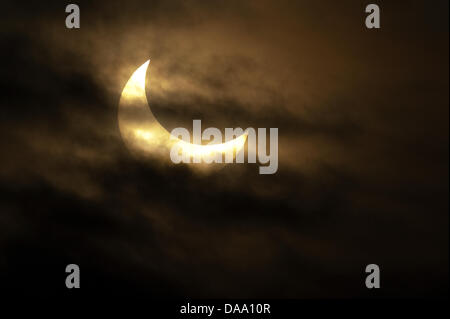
[{"x": 142, "y": 132}]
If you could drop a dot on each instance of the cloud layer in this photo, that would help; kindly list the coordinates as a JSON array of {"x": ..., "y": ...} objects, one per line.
[{"x": 363, "y": 140}]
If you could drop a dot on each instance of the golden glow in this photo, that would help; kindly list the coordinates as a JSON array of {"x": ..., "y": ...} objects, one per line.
[
  {"x": 141, "y": 131},
  {"x": 136, "y": 84},
  {"x": 143, "y": 134},
  {"x": 207, "y": 150}
]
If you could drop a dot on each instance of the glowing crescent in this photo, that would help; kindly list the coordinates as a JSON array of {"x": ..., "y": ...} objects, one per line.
[{"x": 141, "y": 131}]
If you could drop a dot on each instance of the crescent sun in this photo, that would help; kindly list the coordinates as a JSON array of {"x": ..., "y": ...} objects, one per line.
[{"x": 142, "y": 132}]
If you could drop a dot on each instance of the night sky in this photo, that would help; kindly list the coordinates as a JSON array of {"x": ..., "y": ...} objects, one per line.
[{"x": 363, "y": 121}]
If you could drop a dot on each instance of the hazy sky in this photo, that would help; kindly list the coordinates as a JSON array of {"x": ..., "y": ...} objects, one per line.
[{"x": 363, "y": 148}]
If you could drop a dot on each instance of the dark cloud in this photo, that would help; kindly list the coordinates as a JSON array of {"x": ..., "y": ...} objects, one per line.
[{"x": 363, "y": 139}]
